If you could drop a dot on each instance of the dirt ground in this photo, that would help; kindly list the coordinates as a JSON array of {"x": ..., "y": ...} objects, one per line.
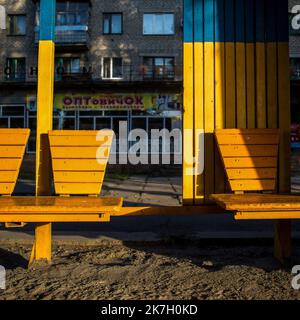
[{"x": 115, "y": 270}]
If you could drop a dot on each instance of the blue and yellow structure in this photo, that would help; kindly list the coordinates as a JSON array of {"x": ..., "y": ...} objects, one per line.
[
  {"x": 236, "y": 75},
  {"x": 45, "y": 94}
]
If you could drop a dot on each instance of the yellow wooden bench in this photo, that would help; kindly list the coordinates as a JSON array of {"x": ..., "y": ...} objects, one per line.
[
  {"x": 79, "y": 160},
  {"x": 250, "y": 158}
]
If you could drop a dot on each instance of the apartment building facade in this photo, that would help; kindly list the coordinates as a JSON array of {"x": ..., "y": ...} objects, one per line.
[{"x": 115, "y": 61}]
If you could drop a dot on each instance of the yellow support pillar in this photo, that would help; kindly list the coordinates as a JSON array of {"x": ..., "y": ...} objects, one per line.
[{"x": 45, "y": 92}]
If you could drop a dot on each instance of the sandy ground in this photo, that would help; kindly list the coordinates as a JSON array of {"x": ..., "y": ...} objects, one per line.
[{"x": 113, "y": 270}]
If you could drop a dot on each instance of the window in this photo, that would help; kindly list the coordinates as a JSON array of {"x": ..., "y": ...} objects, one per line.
[
  {"x": 112, "y": 68},
  {"x": 15, "y": 69},
  {"x": 158, "y": 68},
  {"x": 159, "y": 24},
  {"x": 71, "y": 13},
  {"x": 67, "y": 65},
  {"x": 112, "y": 23},
  {"x": 17, "y": 25}
]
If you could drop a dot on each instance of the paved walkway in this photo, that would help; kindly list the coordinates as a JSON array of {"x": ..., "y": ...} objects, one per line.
[{"x": 137, "y": 190}]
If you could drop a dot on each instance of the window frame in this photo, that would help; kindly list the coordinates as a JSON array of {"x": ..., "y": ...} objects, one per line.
[
  {"x": 12, "y": 76},
  {"x": 111, "y": 68},
  {"x": 12, "y": 34},
  {"x": 110, "y": 23},
  {"x": 159, "y": 34},
  {"x": 154, "y": 66}
]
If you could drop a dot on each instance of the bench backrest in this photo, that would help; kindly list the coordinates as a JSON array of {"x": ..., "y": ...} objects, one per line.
[
  {"x": 79, "y": 160},
  {"x": 250, "y": 158},
  {"x": 12, "y": 148}
]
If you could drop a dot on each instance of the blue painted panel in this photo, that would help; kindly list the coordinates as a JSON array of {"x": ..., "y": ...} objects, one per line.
[
  {"x": 240, "y": 21},
  {"x": 209, "y": 30},
  {"x": 249, "y": 16},
  {"x": 271, "y": 24},
  {"x": 229, "y": 21},
  {"x": 260, "y": 21},
  {"x": 47, "y": 19},
  {"x": 219, "y": 21},
  {"x": 282, "y": 20},
  {"x": 199, "y": 21},
  {"x": 188, "y": 21}
]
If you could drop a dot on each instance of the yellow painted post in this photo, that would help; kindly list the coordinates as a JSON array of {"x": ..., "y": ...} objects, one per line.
[{"x": 42, "y": 246}]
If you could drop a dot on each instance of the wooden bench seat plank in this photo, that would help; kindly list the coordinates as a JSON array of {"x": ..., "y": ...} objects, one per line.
[
  {"x": 58, "y": 205},
  {"x": 256, "y": 162},
  {"x": 257, "y": 202}
]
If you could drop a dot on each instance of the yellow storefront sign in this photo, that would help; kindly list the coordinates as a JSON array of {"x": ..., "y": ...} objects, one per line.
[{"x": 118, "y": 101}]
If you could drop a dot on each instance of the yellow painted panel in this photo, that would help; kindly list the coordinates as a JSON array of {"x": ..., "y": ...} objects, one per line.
[
  {"x": 13, "y": 139},
  {"x": 77, "y": 165},
  {"x": 241, "y": 85},
  {"x": 79, "y": 153},
  {"x": 198, "y": 120},
  {"x": 267, "y": 215},
  {"x": 252, "y": 185},
  {"x": 219, "y": 111},
  {"x": 209, "y": 115},
  {"x": 188, "y": 124},
  {"x": 250, "y": 87},
  {"x": 6, "y": 188},
  {"x": 261, "y": 108},
  {"x": 80, "y": 140},
  {"x": 251, "y": 162},
  {"x": 247, "y": 139},
  {"x": 272, "y": 85},
  {"x": 78, "y": 188},
  {"x": 60, "y": 176},
  {"x": 284, "y": 116},
  {"x": 230, "y": 85},
  {"x": 249, "y": 151},
  {"x": 257, "y": 173},
  {"x": 11, "y": 151},
  {"x": 44, "y": 115},
  {"x": 10, "y": 164},
  {"x": 8, "y": 176}
]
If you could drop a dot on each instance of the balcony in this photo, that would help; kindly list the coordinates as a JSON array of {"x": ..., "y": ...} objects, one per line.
[
  {"x": 69, "y": 35},
  {"x": 15, "y": 77},
  {"x": 145, "y": 74}
]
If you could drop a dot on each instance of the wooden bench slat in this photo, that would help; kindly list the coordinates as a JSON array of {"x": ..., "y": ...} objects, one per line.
[
  {"x": 78, "y": 165},
  {"x": 71, "y": 205},
  {"x": 78, "y": 188},
  {"x": 257, "y": 202},
  {"x": 249, "y": 151},
  {"x": 252, "y": 185},
  {"x": 255, "y": 131},
  {"x": 13, "y": 139},
  {"x": 79, "y": 153},
  {"x": 248, "y": 139},
  {"x": 7, "y": 188},
  {"x": 255, "y": 173},
  {"x": 80, "y": 141},
  {"x": 8, "y": 176},
  {"x": 11, "y": 151},
  {"x": 255, "y": 162},
  {"x": 80, "y": 177},
  {"x": 81, "y": 133}
]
